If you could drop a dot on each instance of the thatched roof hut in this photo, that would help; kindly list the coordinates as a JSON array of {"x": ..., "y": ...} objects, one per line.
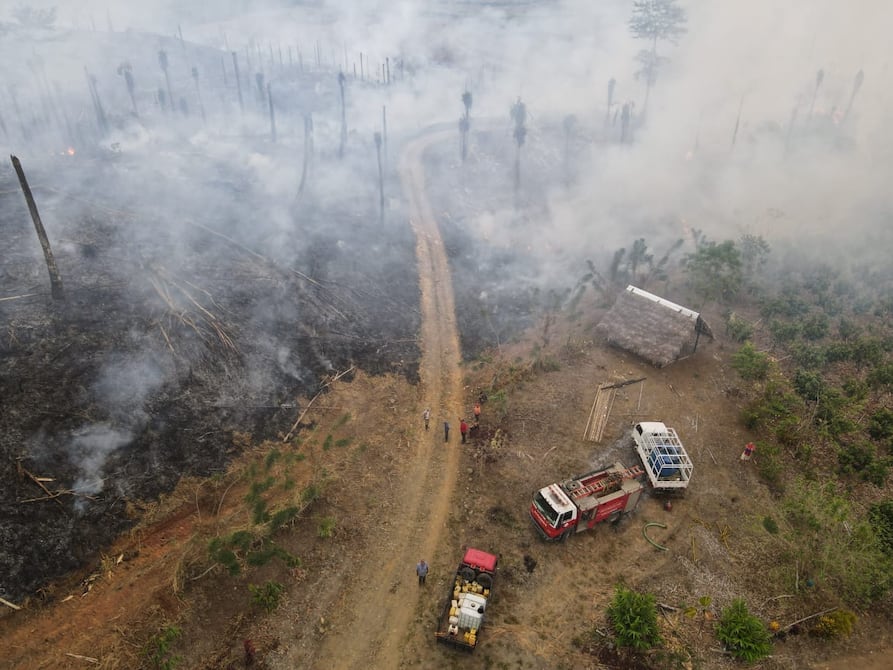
[{"x": 655, "y": 329}]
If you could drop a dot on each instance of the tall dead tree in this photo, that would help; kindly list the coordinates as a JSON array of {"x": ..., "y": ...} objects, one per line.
[
  {"x": 857, "y": 84},
  {"x": 198, "y": 93},
  {"x": 519, "y": 116},
  {"x": 101, "y": 119},
  {"x": 272, "y": 114},
  {"x": 611, "y": 84},
  {"x": 238, "y": 82},
  {"x": 308, "y": 151},
  {"x": 125, "y": 70},
  {"x": 162, "y": 61},
  {"x": 55, "y": 277},
  {"x": 819, "y": 78},
  {"x": 384, "y": 133},
  {"x": 377, "y": 138},
  {"x": 341, "y": 79}
]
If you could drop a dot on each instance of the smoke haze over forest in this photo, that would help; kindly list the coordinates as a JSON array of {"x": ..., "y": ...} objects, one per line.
[
  {"x": 559, "y": 56},
  {"x": 738, "y": 138}
]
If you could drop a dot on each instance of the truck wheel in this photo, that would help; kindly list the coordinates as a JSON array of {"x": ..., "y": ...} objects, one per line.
[
  {"x": 563, "y": 538},
  {"x": 614, "y": 519},
  {"x": 484, "y": 579},
  {"x": 467, "y": 574}
]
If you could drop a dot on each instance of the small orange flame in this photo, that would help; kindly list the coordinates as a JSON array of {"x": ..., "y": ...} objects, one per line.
[{"x": 70, "y": 151}]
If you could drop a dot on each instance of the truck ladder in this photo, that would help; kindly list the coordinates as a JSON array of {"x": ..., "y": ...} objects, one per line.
[{"x": 602, "y": 484}]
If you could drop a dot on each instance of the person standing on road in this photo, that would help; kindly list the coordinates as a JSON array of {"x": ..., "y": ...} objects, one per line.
[
  {"x": 477, "y": 413},
  {"x": 446, "y": 431},
  {"x": 463, "y": 429},
  {"x": 422, "y": 571},
  {"x": 426, "y": 415}
]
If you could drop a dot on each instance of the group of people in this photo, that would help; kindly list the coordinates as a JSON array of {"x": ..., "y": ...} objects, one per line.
[{"x": 464, "y": 428}]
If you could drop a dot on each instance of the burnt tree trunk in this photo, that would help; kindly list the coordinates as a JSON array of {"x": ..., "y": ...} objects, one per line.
[
  {"x": 55, "y": 277},
  {"x": 238, "y": 81},
  {"x": 272, "y": 114}
]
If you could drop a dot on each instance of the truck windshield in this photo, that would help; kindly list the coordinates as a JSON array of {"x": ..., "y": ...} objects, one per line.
[{"x": 545, "y": 508}]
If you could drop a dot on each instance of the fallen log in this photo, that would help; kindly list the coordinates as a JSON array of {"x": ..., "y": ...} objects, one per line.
[
  {"x": 4, "y": 601},
  {"x": 306, "y": 409},
  {"x": 88, "y": 659}
]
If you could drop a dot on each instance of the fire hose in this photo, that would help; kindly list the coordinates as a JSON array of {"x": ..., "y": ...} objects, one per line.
[{"x": 652, "y": 542}]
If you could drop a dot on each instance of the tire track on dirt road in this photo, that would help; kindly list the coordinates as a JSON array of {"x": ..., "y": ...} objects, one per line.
[{"x": 383, "y": 607}]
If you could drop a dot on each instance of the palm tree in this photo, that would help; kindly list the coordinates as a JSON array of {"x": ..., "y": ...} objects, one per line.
[{"x": 465, "y": 123}]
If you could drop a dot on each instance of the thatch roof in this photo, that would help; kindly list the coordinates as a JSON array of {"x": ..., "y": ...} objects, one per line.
[{"x": 655, "y": 329}]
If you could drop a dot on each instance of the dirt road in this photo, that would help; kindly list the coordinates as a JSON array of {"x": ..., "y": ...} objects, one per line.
[{"x": 383, "y": 607}]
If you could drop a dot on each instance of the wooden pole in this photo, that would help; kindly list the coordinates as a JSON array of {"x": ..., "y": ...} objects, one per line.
[{"x": 55, "y": 277}]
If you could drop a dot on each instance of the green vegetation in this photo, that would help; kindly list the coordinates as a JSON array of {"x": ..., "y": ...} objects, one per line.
[
  {"x": 633, "y": 617},
  {"x": 839, "y": 549},
  {"x": 326, "y": 527},
  {"x": 267, "y": 595},
  {"x": 158, "y": 649},
  {"x": 880, "y": 515},
  {"x": 743, "y": 634},
  {"x": 838, "y": 623},
  {"x": 738, "y": 329},
  {"x": 750, "y": 363},
  {"x": 715, "y": 270}
]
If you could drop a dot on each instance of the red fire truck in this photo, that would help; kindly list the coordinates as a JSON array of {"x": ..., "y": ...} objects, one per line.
[{"x": 576, "y": 504}]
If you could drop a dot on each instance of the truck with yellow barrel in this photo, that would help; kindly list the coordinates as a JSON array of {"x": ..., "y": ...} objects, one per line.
[{"x": 470, "y": 594}]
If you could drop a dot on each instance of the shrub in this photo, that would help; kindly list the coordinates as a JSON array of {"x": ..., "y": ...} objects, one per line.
[
  {"x": 750, "y": 363},
  {"x": 281, "y": 517},
  {"x": 326, "y": 527},
  {"x": 836, "y": 352},
  {"x": 633, "y": 617},
  {"x": 158, "y": 649},
  {"x": 784, "y": 332},
  {"x": 815, "y": 327},
  {"x": 837, "y": 546},
  {"x": 882, "y": 376},
  {"x": 771, "y": 525},
  {"x": 880, "y": 425},
  {"x": 838, "y": 623},
  {"x": 743, "y": 634},
  {"x": 808, "y": 356},
  {"x": 267, "y": 595},
  {"x": 808, "y": 385},
  {"x": 220, "y": 552},
  {"x": 880, "y": 515},
  {"x": 770, "y": 465},
  {"x": 738, "y": 329},
  {"x": 868, "y": 351},
  {"x": 846, "y": 329},
  {"x": 271, "y": 458}
]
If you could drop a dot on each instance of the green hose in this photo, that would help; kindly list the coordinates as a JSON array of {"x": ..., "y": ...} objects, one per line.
[{"x": 645, "y": 535}]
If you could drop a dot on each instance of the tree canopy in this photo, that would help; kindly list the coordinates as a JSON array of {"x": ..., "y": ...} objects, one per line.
[
  {"x": 658, "y": 20},
  {"x": 714, "y": 270}
]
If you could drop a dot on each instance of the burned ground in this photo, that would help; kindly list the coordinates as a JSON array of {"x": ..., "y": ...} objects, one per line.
[{"x": 167, "y": 343}]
